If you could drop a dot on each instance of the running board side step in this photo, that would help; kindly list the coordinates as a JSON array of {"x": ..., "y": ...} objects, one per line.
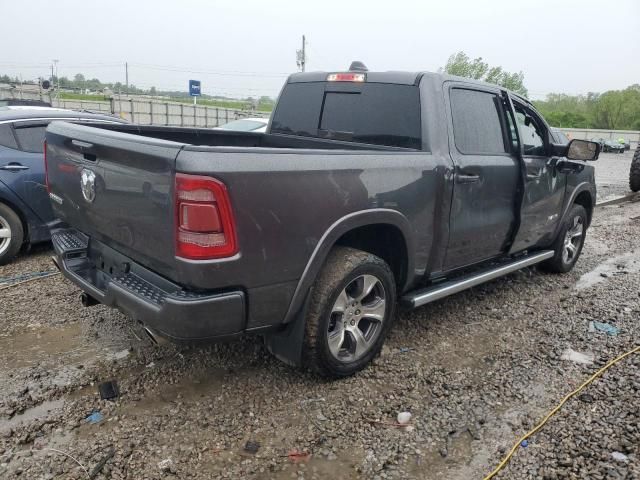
[{"x": 418, "y": 298}]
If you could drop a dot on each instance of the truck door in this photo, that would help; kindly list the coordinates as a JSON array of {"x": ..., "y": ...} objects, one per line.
[
  {"x": 544, "y": 186},
  {"x": 486, "y": 179}
]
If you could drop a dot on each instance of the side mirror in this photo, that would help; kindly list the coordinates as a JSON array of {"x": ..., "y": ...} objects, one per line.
[{"x": 583, "y": 150}]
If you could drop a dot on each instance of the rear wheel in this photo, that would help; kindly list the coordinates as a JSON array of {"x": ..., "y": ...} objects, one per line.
[
  {"x": 568, "y": 245},
  {"x": 634, "y": 174},
  {"x": 351, "y": 311},
  {"x": 11, "y": 234}
]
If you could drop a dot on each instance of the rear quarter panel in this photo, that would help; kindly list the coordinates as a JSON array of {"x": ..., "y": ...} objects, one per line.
[{"x": 284, "y": 202}]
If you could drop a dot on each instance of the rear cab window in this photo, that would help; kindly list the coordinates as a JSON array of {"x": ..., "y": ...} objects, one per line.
[{"x": 371, "y": 113}]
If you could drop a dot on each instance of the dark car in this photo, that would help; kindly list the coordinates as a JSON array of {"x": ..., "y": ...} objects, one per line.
[
  {"x": 14, "y": 102},
  {"x": 560, "y": 136},
  {"x": 25, "y": 208},
  {"x": 608, "y": 145}
]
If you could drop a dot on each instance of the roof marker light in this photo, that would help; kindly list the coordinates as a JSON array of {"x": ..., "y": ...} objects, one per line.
[{"x": 346, "y": 77}]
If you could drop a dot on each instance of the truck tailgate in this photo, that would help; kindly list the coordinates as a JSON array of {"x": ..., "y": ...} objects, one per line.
[{"x": 116, "y": 188}]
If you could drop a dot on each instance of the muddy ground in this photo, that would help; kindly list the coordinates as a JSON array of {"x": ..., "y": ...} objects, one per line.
[
  {"x": 612, "y": 174},
  {"x": 476, "y": 370}
]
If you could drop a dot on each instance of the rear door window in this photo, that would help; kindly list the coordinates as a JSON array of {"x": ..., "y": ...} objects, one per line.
[
  {"x": 31, "y": 139},
  {"x": 477, "y": 124},
  {"x": 6, "y": 136},
  {"x": 373, "y": 113}
]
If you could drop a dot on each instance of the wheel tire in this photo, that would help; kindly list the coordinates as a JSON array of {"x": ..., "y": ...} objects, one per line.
[
  {"x": 9, "y": 246},
  {"x": 561, "y": 262},
  {"x": 634, "y": 173},
  {"x": 339, "y": 279}
]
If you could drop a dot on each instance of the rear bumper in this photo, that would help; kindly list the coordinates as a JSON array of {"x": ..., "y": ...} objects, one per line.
[{"x": 163, "y": 306}]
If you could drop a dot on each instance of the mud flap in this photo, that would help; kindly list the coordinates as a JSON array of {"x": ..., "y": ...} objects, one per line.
[{"x": 286, "y": 344}]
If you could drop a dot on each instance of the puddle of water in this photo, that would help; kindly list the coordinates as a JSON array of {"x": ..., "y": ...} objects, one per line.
[
  {"x": 32, "y": 347},
  {"x": 39, "y": 412},
  {"x": 620, "y": 265}
]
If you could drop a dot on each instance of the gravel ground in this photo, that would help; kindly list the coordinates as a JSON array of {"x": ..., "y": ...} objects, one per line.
[
  {"x": 476, "y": 370},
  {"x": 612, "y": 174}
]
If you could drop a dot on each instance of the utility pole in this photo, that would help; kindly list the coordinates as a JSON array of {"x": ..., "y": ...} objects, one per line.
[
  {"x": 126, "y": 74},
  {"x": 301, "y": 55},
  {"x": 57, "y": 90}
]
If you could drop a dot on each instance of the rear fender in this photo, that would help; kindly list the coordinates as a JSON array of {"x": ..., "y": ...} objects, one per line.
[{"x": 286, "y": 344}]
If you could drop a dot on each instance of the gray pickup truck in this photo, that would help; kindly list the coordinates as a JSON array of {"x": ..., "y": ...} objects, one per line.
[{"x": 367, "y": 190}]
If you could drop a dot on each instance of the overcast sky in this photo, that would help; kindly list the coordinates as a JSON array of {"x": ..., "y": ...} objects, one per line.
[{"x": 241, "y": 48}]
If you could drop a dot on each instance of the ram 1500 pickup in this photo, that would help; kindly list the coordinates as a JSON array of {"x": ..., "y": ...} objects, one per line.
[{"x": 367, "y": 190}]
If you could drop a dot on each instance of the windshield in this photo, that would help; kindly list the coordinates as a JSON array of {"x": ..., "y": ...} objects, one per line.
[{"x": 243, "y": 125}]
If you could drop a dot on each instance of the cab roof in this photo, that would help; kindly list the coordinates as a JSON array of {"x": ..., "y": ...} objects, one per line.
[{"x": 393, "y": 77}]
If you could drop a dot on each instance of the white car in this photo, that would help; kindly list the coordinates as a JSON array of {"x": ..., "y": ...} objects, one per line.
[{"x": 254, "y": 124}]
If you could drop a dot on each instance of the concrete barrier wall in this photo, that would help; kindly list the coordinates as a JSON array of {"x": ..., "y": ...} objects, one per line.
[
  {"x": 157, "y": 112},
  {"x": 146, "y": 112},
  {"x": 588, "y": 134}
]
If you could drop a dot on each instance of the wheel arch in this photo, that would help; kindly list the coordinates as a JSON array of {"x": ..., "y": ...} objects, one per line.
[
  {"x": 349, "y": 230},
  {"x": 585, "y": 199}
]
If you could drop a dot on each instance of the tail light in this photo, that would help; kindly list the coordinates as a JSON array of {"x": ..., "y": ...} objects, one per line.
[
  {"x": 205, "y": 227},
  {"x": 46, "y": 167}
]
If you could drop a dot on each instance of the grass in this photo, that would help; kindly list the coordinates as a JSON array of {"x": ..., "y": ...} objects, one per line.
[
  {"x": 201, "y": 101},
  {"x": 80, "y": 96}
]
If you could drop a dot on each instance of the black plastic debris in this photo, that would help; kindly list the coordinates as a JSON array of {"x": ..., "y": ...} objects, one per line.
[
  {"x": 251, "y": 446},
  {"x": 109, "y": 390}
]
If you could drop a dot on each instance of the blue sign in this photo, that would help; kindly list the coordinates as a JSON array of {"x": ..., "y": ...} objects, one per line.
[{"x": 194, "y": 88}]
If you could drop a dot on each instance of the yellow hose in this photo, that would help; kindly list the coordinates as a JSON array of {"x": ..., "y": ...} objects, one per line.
[{"x": 558, "y": 407}]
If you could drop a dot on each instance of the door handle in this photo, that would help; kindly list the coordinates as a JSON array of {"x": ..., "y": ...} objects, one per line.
[
  {"x": 463, "y": 178},
  {"x": 14, "y": 167},
  {"x": 534, "y": 176}
]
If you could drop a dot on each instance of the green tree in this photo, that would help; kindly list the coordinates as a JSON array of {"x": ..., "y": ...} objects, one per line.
[{"x": 460, "y": 64}]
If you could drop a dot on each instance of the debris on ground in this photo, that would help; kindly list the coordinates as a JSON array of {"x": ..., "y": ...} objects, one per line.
[
  {"x": 94, "y": 417},
  {"x": 297, "y": 456},
  {"x": 100, "y": 465},
  {"x": 166, "y": 466},
  {"x": 109, "y": 390},
  {"x": 619, "y": 456},
  {"x": 404, "y": 418},
  {"x": 252, "y": 446},
  {"x": 577, "y": 357},
  {"x": 603, "y": 327}
]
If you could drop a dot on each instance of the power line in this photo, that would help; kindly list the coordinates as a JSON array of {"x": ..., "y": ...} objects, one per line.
[{"x": 210, "y": 72}]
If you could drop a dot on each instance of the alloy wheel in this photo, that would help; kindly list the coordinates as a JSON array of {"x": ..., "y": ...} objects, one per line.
[
  {"x": 356, "y": 318},
  {"x": 572, "y": 240},
  {"x": 5, "y": 235}
]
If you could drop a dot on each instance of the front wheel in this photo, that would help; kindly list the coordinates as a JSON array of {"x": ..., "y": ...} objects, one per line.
[
  {"x": 569, "y": 242},
  {"x": 351, "y": 311}
]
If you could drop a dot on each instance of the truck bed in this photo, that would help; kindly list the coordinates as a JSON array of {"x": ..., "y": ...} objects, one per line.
[
  {"x": 226, "y": 138},
  {"x": 280, "y": 188}
]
